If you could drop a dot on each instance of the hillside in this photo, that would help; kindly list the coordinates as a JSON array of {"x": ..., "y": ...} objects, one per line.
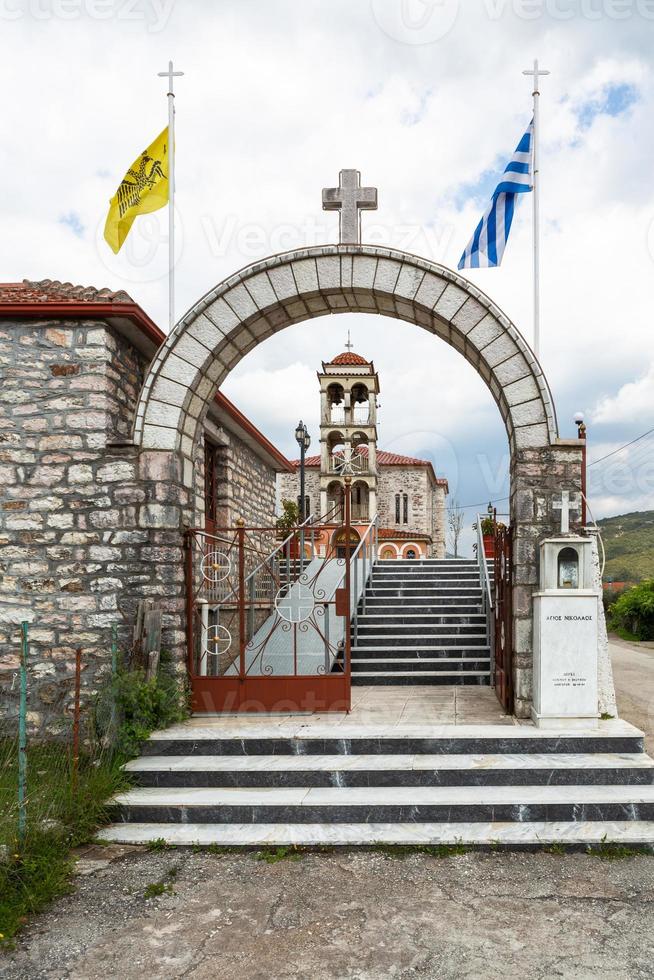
[{"x": 629, "y": 543}]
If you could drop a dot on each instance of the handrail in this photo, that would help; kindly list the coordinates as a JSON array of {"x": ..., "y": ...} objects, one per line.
[{"x": 484, "y": 578}]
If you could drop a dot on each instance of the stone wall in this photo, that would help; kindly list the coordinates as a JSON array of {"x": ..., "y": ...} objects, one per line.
[
  {"x": 289, "y": 488},
  {"x": 426, "y": 503},
  {"x": 85, "y": 529},
  {"x": 537, "y": 478}
]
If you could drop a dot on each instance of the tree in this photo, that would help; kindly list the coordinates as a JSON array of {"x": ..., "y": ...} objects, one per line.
[{"x": 455, "y": 518}]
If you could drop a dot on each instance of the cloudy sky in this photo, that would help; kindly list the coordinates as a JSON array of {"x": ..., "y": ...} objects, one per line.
[{"x": 428, "y": 100}]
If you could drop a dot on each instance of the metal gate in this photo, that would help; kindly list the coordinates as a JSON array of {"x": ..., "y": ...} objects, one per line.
[
  {"x": 268, "y": 622},
  {"x": 503, "y": 616}
]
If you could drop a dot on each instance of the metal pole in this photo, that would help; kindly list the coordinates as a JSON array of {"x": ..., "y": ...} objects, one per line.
[
  {"x": 22, "y": 739},
  {"x": 348, "y": 611},
  {"x": 302, "y": 507},
  {"x": 78, "y": 675},
  {"x": 536, "y": 72},
  {"x": 170, "y": 74},
  {"x": 241, "y": 596}
]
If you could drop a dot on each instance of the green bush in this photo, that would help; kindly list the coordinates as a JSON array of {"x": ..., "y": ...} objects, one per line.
[
  {"x": 634, "y": 611},
  {"x": 143, "y": 706}
]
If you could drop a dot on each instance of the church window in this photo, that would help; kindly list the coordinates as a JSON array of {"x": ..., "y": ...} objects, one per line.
[
  {"x": 307, "y": 506},
  {"x": 397, "y": 508},
  {"x": 405, "y": 508}
]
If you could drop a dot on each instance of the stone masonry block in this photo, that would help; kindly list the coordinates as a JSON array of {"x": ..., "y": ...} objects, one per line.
[
  {"x": 485, "y": 332},
  {"x": 283, "y": 282},
  {"x": 452, "y": 299},
  {"x": 159, "y": 515},
  {"x": 408, "y": 281},
  {"x": 469, "y": 315},
  {"x": 430, "y": 290},
  {"x": 329, "y": 272},
  {"x": 241, "y": 302},
  {"x": 386, "y": 275},
  {"x": 261, "y": 291},
  {"x": 220, "y": 313},
  {"x": 363, "y": 272},
  {"x": 306, "y": 276},
  {"x": 204, "y": 331}
]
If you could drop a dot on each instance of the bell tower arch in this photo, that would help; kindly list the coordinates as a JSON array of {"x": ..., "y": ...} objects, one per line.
[{"x": 349, "y": 386}]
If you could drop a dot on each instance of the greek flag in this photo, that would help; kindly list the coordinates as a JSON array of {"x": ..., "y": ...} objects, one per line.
[{"x": 486, "y": 247}]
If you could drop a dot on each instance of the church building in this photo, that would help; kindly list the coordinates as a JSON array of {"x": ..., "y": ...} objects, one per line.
[{"x": 403, "y": 492}]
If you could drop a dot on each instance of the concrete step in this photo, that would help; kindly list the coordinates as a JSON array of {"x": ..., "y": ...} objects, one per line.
[
  {"x": 421, "y": 677},
  {"x": 240, "y": 737},
  {"x": 494, "y": 835},
  {"x": 392, "y": 770},
  {"x": 386, "y": 804}
]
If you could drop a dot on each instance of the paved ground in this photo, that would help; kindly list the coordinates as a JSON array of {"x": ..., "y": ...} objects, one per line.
[
  {"x": 349, "y": 916},
  {"x": 357, "y": 915},
  {"x": 633, "y": 673}
]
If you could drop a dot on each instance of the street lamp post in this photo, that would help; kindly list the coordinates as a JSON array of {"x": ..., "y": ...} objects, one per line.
[{"x": 303, "y": 440}]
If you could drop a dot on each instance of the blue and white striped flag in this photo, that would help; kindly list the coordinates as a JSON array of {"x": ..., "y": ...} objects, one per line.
[{"x": 486, "y": 247}]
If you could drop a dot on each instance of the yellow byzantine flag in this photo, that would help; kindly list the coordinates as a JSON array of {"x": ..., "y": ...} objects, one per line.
[{"x": 143, "y": 189}]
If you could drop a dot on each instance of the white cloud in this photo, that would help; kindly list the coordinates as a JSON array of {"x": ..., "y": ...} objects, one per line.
[{"x": 633, "y": 403}]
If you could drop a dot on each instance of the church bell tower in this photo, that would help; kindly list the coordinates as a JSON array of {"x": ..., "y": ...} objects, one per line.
[{"x": 349, "y": 386}]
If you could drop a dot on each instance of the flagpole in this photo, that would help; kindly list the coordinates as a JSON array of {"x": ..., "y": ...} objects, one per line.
[
  {"x": 170, "y": 75},
  {"x": 536, "y": 72}
]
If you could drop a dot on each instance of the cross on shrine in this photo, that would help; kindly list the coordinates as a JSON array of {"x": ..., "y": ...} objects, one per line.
[
  {"x": 349, "y": 199},
  {"x": 565, "y": 505}
]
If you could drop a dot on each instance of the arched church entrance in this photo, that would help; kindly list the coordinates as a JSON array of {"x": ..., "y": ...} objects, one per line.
[{"x": 264, "y": 298}]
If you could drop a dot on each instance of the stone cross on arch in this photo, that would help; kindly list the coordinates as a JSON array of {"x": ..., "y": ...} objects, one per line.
[
  {"x": 349, "y": 199},
  {"x": 565, "y": 505}
]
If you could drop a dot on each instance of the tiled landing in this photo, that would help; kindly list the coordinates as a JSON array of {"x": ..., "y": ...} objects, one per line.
[{"x": 391, "y": 706}]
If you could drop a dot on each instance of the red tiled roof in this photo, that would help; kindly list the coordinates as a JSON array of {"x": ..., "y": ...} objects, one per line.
[
  {"x": 348, "y": 357},
  {"x": 383, "y": 459},
  {"x": 390, "y": 534},
  {"x": 52, "y": 291}
]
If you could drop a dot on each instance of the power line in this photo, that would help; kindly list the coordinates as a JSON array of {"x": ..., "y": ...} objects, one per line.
[{"x": 626, "y": 446}]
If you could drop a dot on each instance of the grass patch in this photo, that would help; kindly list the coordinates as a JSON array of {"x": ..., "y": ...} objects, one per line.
[
  {"x": 158, "y": 844},
  {"x": 274, "y": 854},
  {"x": 624, "y": 634},
  {"x": 608, "y": 851},
  {"x": 162, "y": 887},
  {"x": 58, "y": 819},
  {"x": 433, "y": 850}
]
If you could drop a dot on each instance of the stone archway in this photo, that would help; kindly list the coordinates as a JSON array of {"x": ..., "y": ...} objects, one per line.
[{"x": 264, "y": 298}]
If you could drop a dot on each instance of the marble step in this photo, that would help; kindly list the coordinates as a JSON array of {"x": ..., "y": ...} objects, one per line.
[
  {"x": 392, "y": 770},
  {"x": 238, "y": 736},
  {"x": 420, "y": 618},
  {"x": 422, "y": 602},
  {"x": 436, "y": 636},
  {"x": 385, "y": 665},
  {"x": 385, "y": 804},
  {"x": 456, "y": 654},
  {"x": 429, "y": 643},
  {"x": 516, "y": 836},
  {"x": 423, "y": 677}
]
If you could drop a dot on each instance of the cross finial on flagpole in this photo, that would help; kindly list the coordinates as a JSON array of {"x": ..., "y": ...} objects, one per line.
[
  {"x": 170, "y": 74},
  {"x": 349, "y": 344},
  {"x": 536, "y": 72}
]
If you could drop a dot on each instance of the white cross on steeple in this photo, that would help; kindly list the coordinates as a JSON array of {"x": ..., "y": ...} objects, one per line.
[
  {"x": 349, "y": 344},
  {"x": 349, "y": 199}
]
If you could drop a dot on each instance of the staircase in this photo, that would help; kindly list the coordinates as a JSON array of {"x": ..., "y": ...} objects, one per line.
[
  {"x": 291, "y": 782},
  {"x": 422, "y": 622}
]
